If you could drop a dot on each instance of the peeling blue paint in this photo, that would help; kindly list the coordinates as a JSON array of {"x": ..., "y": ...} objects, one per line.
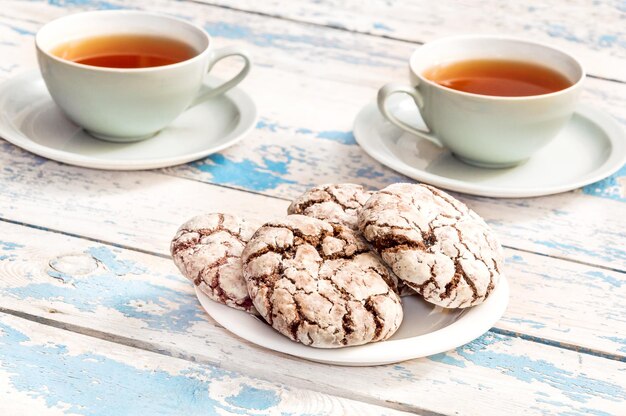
[
  {"x": 606, "y": 41},
  {"x": 109, "y": 259},
  {"x": 613, "y": 281},
  {"x": 95, "y": 385},
  {"x": 551, "y": 402},
  {"x": 446, "y": 358},
  {"x": 374, "y": 172},
  {"x": 343, "y": 137},
  {"x": 293, "y": 43},
  {"x": 526, "y": 322},
  {"x": 560, "y": 31},
  {"x": 369, "y": 172},
  {"x": 585, "y": 411},
  {"x": 612, "y": 253},
  {"x": 116, "y": 288},
  {"x": 577, "y": 387},
  {"x": 252, "y": 398},
  {"x": 516, "y": 258},
  {"x": 609, "y": 187},
  {"x": 382, "y": 26},
  {"x": 95, "y": 4},
  {"x": 264, "y": 125},
  {"x": 244, "y": 173},
  {"x": 9, "y": 246},
  {"x": 20, "y": 30},
  {"x": 402, "y": 373}
]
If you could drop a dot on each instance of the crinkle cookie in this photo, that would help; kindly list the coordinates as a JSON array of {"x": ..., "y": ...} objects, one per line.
[
  {"x": 433, "y": 242},
  {"x": 207, "y": 250},
  {"x": 318, "y": 283},
  {"x": 337, "y": 203},
  {"x": 340, "y": 203}
]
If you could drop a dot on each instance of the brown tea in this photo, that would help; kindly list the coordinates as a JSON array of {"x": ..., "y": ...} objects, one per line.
[
  {"x": 497, "y": 77},
  {"x": 125, "y": 51}
]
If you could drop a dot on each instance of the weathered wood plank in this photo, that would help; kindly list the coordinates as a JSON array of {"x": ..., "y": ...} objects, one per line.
[
  {"x": 592, "y": 31},
  {"x": 96, "y": 205},
  {"x": 334, "y": 75},
  {"x": 592, "y": 318},
  {"x": 50, "y": 371},
  {"x": 136, "y": 304},
  {"x": 136, "y": 298},
  {"x": 78, "y": 202},
  {"x": 317, "y": 62}
]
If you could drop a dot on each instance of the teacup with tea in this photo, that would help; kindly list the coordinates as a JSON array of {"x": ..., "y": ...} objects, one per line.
[
  {"x": 493, "y": 101},
  {"x": 125, "y": 75}
]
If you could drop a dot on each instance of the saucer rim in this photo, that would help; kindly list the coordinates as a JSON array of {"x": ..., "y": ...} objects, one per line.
[
  {"x": 471, "y": 324},
  {"x": 244, "y": 103},
  {"x": 613, "y": 162}
]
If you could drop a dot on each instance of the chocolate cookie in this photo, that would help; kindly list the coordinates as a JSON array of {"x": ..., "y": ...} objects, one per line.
[
  {"x": 318, "y": 283},
  {"x": 433, "y": 242},
  {"x": 337, "y": 203},
  {"x": 340, "y": 204},
  {"x": 207, "y": 250}
]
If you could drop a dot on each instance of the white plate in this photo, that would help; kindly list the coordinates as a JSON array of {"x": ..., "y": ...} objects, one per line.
[
  {"x": 591, "y": 147},
  {"x": 426, "y": 330},
  {"x": 30, "y": 119}
]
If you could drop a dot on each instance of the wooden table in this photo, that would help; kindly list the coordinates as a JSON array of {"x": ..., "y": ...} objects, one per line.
[{"x": 96, "y": 320}]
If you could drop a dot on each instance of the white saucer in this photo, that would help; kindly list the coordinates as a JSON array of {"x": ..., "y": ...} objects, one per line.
[
  {"x": 591, "y": 147},
  {"x": 30, "y": 119},
  {"x": 425, "y": 330}
]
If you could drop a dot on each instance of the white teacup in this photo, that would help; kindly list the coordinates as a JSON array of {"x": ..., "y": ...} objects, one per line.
[
  {"x": 125, "y": 105},
  {"x": 484, "y": 130}
]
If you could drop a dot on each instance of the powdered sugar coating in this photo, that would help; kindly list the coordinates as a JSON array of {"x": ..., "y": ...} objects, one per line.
[
  {"x": 207, "y": 250},
  {"x": 318, "y": 283},
  {"x": 340, "y": 204},
  {"x": 434, "y": 243},
  {"x": 337, "y": 203}
]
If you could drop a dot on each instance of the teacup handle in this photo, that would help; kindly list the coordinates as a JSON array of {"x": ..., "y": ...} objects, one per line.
[
  {"x": 208, "y": 93},
  {"x": 393, "y": 88}
]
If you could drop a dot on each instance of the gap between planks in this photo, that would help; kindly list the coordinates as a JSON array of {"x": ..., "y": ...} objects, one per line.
[
  {"x": 225, "y": 365},
  {"x": 342, "y": 29},
  {"x": 151, "y": 347},
  {"x": 562, "y": 345},
  {"x": 166, "y": 256}
]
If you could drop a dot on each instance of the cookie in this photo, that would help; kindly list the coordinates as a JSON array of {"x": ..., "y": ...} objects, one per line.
[
  {"x": 337, "y": 203},
  {"x": 434, "y": 243},
  {"x": 340, "y": 203},
  {"x": 319, "y": 283},
  {"x": 207, "y": 250}
]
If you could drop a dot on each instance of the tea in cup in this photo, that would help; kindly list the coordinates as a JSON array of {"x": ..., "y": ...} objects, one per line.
[
  {"x": 493, "y": 101},
  {"x": 125, "y": 75}
]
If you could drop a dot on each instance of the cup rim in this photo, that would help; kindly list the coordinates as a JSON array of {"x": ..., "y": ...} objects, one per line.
[
  {"x": 198, "y": 56},
  {"x": 421, "y": 78}
]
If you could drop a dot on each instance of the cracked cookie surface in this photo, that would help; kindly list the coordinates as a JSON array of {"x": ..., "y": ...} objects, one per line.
[
  {"x": 337, "y": 203},
  {"x": 434, "y": 243},
  {"x": 207, "y": 250},
  {"x": 340, "y": 204},
  {"x": 318, "y": 283}
]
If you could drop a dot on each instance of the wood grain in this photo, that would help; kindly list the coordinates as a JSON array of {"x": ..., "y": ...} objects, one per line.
[
  {"x": 309, "y": 82},
  {"x": 595, "y": 34},
  {"x": 84, "y": 202},
  {"x": 77, "y": 202},
  {"x": 50, "y": 371},
  {"x": 140, "y": 299},
  {"x": 334, "y": 74}
]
